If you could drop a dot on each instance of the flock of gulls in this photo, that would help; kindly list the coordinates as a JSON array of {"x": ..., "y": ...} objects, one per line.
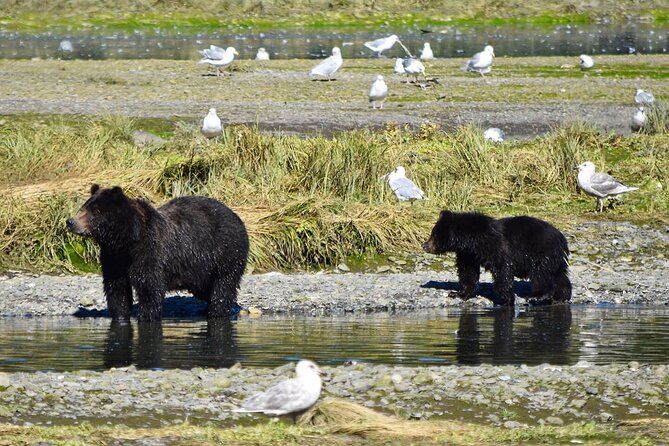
[{"x": 597, "y": 184}]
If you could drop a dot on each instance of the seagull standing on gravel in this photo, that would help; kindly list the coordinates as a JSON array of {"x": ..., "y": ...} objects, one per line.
[
  {"x": 404, "y": 188},
  {"x": 493, "y": 134},
  {"x": 211, "y": 125},
  {"x": 586, "y": 62},
  {"x": 599, "y": 184},
  {"x": 292, "y": 397},
  {"x": 639, "y": 119},
  {"x": 382, "y": 44},
  {"x": 262, "y": 54},
  {"x": 481, "y": 62},
  {"x": 413, "y": 67},
  {"x": 426, "y": 53},
  {"x": 329, "y": 66},
  {"x": 399, "y": 66},
  {"x": 644, "y": 97},
  {"x": 218, "y": 57},
  {"x": 379, "y": 92}
]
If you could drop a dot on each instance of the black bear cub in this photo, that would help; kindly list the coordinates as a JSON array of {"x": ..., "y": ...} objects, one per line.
[
  {"x": 190, "y": 243},
  {"x": 524, "y": 247}
]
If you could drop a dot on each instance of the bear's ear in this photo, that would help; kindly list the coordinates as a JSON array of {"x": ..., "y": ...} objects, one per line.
[
  {"x": 95, "y": 188},
  {"x": 117, "y": 192},
  {"x": 445, "y": 214}
]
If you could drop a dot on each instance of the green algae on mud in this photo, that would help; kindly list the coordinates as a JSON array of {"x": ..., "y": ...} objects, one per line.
[{"x": 196, "y": 15}]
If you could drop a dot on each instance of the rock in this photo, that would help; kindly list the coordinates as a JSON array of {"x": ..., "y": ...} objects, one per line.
[
  {"x": 383, "y": 269},
  {"x": 605, "y": 417},
  {"x": 513, "y": 425},
  {"x": 634, "y": 365},
  {"x": 86, "y": 302},
  {"x": 254, "y": 311},
  {"x": 142, "y": 138},
  {"x": 4, "y": 381},
  {"x": 423, "y": 378},
  {"x": 579, "y": 404},
  {"x": 556, "y": 421},
  {"x": 384, "y": 381},
  {"x": 591, "y": 390},
  {"x": 343, "y": 267},
  {"x": 222, "y": 383}
]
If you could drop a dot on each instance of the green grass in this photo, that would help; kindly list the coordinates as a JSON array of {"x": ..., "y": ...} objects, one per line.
[
  {"x": 338, "y": 422},
  {"x": 204, "y": 15},
  {"x": 309, "y": 202}
]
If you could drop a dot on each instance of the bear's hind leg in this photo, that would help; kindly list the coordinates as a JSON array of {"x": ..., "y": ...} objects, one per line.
[
  {"x": 150, "y": 297},
  {"x": 562, "y": 287},
  {"x": 118, "y": 292},
  {"x": 503, "y": 286},
  {"x": 222, "y": 299},
  {"x": 469, "y": 272}
]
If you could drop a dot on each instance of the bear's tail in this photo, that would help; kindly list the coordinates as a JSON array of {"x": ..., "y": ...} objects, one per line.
[{"x": 562, "y": 288}]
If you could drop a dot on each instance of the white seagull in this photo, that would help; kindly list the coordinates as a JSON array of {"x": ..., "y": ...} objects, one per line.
[
  {"x": 262, "y": 54},
  {"x": 599, "y": 184},
  {"x": 399, "y": 66},
  {"x": 493, "y": 134},
  {"x": 292, "y": 397},
  {"x": 65, "y": 46},
  {"x": 644, "y": 97},
  {"x": 426, "y": 53},
  {"x": 329, "y": 66},
  {"x": 379, "y": 92},
  {"x": 382, "y": 44},
  {"x": 639, "y": 119},
  {"x": 413, "y": 67},
  {"x": 218, "y": 57},
  {"x": 211, "y": 125},
  {"x": 586, "y": 62},
  {"x": 481, "y": 62},
  {"x": 404, "y": 188}
]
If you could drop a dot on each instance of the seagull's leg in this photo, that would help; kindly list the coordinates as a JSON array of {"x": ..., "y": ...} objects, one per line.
[
  {"x": 382, "y": 105},
  {"x": 218, "y": 72},
  {"x": 600, "y": 205}
]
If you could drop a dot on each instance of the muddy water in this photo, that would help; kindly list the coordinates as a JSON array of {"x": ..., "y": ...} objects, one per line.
[
  {"x": 454, "y": 41},
  {"x": 558, "y": 335}
]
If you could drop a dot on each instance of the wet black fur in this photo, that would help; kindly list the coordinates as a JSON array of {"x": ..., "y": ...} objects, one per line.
[
  {"x": 190, "y": 243},
  {"x": 524, "y": 247}
]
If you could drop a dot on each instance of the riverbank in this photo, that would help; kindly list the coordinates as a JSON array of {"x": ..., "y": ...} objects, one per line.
[{"x": 618, "y": 263}]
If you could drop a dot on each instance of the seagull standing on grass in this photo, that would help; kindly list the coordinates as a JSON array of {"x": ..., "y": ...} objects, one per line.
[
  {"x": 329, "y": 66},
  {"x": 599, "y": 184},
  {"x": 218, "y": 57},
  {"x": 292, "y": 397},
  {"x": 262, "y": 54},
  {"x": 493, "y": 134},
  {"x": 586, "y": 62},
  {"x": 639, "y": 119},
  {"x": 379, "y": 92},
  {"x": 413, "y": 67},
  {"x": 426, "y": 53},
  {"x": 481, "y": 62},
  {"x": 644, "y": 97},
  {"x": 404, "y": 188},
  {"x": 211, "y": 125},
  {"x": 382, "y": 44}
]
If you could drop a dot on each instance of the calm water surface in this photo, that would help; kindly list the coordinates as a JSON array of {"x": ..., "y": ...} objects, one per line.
[
  {"x": 454, "y": 41},
  {"x": 559, "y": 335}
]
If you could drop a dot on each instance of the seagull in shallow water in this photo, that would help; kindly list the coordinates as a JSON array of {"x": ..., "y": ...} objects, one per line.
[
  {"x": 382, "y": 44},
  {"x": 211, "y": 125},
  {"x": 599, "y": 184},
  {"x": 426, "y": 53},
  {"x": 65, "y": 46},
  {"x": 262, "y": 54},
  {"x": 292, "y": 397},
  {"x": 586, "y": 62},
  {"x": 329, "y": 66},
  {"x": 481, "y": 62},
  {"x": 644, "y": 97},
  {"x": 639, "y": 119},
  {"x": 413, "y": 67},
  {"x": 379, "y": 92},
  {"x": 218, "y": 57},
  {"x": 404, "y": 188},
  {"x": 493, "y": 134}
]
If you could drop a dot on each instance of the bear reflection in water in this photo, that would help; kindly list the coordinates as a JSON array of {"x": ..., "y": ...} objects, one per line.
[
  {"x": 214, "y": 347},
  {"x": 546, "y": 338}
]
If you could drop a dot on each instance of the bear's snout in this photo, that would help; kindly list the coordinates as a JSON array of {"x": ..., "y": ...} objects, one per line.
[
  {"x": 428, "y": 247},
  {"x": 77, "y": 225}
]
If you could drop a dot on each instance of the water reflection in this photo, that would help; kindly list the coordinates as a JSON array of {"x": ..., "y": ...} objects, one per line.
[
  {"x": 447, "y": 41},
  {"x": 555, "y": 334}
]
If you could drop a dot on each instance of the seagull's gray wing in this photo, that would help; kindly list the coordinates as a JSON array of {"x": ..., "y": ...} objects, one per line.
[
  {"x": 327, "y": 67},
  {"x": 645, "y": 98},
  {"x": 283, "y": 398},
  {"x": 405, "y": 189},
  {"x": 606, "y": 184},
  {"x": 374, "y": 44},
  {"x": 475, "y": 60},
  {"x": 213, "y": 53}
]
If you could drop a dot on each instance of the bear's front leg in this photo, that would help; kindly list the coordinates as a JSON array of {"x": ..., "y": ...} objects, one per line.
[
  {"x": 223, "y": 297},
  {"x": 469, "y": 272},
  {"x": 503, "y": 285},
  {"x": 118, "y": 292},
  {"x": 150, "y": 296}
]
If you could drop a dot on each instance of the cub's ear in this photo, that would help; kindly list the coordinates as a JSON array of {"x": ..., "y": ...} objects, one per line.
[
  {"x": 117, "y": 192},
  {"x": 95, "y": 188},
  {"x": 445, "y": 214}
]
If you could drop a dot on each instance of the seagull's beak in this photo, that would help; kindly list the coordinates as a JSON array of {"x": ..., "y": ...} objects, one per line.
[
  {"x": 320, "y": 372},
  {"x": 236, "y": 53},
  {"x": 383, "y": 177}
]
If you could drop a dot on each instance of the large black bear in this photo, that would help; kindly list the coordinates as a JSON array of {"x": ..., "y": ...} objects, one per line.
[
  {"x": 523, "y": 247},
  {"x": 190, "y": 243}
]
